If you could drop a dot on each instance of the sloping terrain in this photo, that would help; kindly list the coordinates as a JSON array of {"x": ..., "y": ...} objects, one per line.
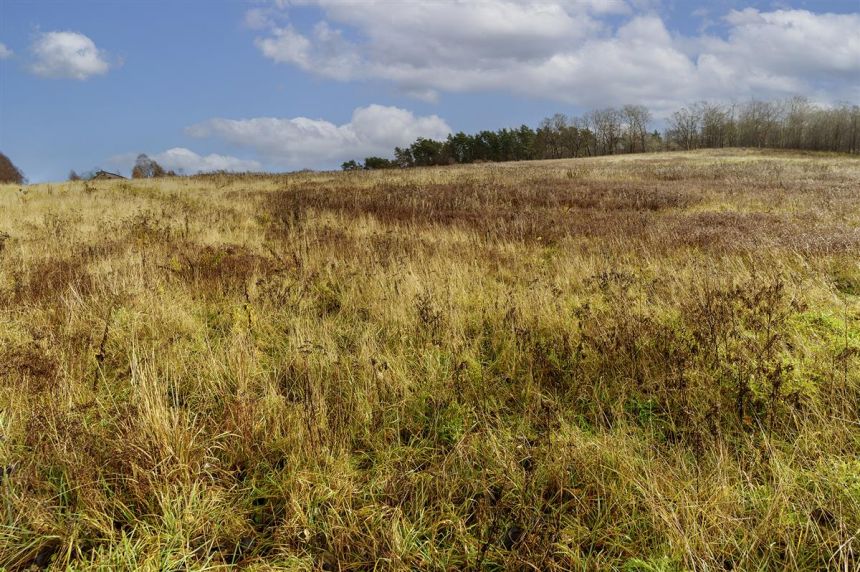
[{"x": 645, "y": 362}]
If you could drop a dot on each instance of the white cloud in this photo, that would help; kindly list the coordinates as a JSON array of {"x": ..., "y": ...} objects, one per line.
[
  {"x": 67, "y": 55},
  {"x": 637, "y": 64},
  {"x": 791, "y": 44},
  {"x": 186, "y": 161},
  {"x": 426, "y": 34},
  {"x": 325, "y": 53},
  {"x": 302, "y": 142},
  {"x": 5, "y": 53},
  {"x": 285, "y": 45},
  {"x": 258, "y": 19},
  {"x": 569, "y": 50}
]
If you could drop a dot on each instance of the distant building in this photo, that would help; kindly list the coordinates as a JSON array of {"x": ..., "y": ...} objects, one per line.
[{"x": 104, "y": 175}]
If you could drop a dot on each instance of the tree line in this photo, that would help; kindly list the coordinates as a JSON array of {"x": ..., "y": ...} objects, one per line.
[
  {"x": 789, "y": 124},
  {"x": 794, "y": 123}
]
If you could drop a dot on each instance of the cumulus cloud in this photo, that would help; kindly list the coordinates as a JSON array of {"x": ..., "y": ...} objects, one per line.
[
  {"x": 570, "y": 50},
  {"x": 637, "y": 64},
  {"x": 422, "y": 35},
  {"x": 303, "y": 142},
  {"x": 186, "y": 161},
  {"x": 325, "y": 52},
  {"x": 794, "y": 44},
  {"x": 5, "y": 52},
  {"x": 67, "y": 55}
]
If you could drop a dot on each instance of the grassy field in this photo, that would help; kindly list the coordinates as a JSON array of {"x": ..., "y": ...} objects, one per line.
[{"x": 641, "y": 363}]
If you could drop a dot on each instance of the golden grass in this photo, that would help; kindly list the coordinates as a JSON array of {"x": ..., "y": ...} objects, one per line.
[{"x": 644, "y": 363}]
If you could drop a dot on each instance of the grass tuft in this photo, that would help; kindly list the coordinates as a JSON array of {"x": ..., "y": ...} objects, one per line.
[{"x": 640, "y": 363}]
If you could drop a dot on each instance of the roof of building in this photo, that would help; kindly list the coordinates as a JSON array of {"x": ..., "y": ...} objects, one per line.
[{"x": 106, "y": 175}]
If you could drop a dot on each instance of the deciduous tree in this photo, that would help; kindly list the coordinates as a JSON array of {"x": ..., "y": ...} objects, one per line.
[
  {"x": 146, "y": 168},
  {"x": 9, "y": 173}
]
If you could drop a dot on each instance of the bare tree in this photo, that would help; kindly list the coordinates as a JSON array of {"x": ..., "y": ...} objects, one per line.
[
  {"x": 146, "y": 168},
  {"x": 550, "y": 136},
  {"x": 794, "y": 123},
  {"x": 715, "y": 124},
  {"x": 855, "y": 129},
  {"x": 684, "y": 127},
  {"x": 757, "y": 122},
  {"x": 606, "y": 125},
  {"x": 636, "y": 119}
]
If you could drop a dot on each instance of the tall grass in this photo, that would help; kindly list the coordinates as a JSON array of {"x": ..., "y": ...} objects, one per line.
[{"x": 637, "y": 363}]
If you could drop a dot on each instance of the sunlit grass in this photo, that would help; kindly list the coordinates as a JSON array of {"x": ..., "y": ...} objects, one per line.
[{"x": 643, "y": 362}]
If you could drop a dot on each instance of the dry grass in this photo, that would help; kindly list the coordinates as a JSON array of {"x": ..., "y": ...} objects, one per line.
[{"x": 638, "y": 363}]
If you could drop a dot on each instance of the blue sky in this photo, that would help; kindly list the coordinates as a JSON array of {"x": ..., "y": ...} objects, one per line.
[{"x": 288, "y": 84}]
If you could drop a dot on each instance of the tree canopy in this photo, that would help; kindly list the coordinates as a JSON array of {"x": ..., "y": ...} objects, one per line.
[{"x": 9, "y": 173}]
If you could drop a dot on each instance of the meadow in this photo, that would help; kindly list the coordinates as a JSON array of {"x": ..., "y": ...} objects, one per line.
[{"x": 643, "y": 363}]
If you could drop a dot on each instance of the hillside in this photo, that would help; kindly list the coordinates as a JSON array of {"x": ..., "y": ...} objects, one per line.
[{"x": 645, "y": 361}]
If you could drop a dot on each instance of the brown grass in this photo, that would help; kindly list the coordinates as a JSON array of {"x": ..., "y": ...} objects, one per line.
[{"x": 638, "y": 363}]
